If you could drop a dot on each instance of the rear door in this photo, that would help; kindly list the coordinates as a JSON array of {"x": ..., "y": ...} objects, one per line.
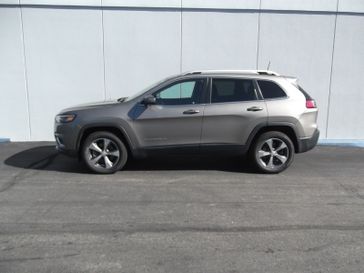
[
  {"x": 176, "y": 118},
  {"x": 234, "y": 111}
]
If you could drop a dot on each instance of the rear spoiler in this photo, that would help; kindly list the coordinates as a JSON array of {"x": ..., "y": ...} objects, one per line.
[
  {"x": 310, "y": 102},
  {"x": 292, "y": 80}
]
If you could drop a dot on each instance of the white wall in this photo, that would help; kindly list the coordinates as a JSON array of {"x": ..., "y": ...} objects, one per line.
[
  {"x": 141, "y": 47},
  {"x": 346, "y": 112},
  {"x": 296, "y": 46},
  {"x": 219, "y": 40},
  {"x": 14, "y": 118},
  {"x": 57, "y": 53},
  {"x": 64, "y": 55}
]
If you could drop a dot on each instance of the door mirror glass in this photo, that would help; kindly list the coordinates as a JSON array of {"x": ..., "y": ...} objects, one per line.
[{"x": 149, "y": 100}]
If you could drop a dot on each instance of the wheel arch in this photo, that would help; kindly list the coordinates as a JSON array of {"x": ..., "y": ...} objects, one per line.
[
  {"x": 285, "y": 128},
  {"x": 112, "y": 128}
]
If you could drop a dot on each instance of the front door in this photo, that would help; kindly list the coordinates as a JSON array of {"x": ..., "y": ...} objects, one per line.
[{"x": 175, "y": 119}]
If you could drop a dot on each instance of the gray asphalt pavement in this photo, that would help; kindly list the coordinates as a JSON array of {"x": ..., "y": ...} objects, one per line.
[{"x": 200, "y": 214}]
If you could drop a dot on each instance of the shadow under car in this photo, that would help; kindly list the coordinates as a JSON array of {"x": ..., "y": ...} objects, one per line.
[{"x": 47, "y": 158}]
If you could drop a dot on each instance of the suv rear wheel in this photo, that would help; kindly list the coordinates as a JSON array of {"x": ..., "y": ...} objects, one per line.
[
  {"x": 273, "y": 152},
  {"x": 104, "y": 152}
]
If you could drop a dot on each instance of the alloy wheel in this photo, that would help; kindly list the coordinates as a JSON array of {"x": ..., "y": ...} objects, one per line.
[
  {"x": 273, "y": 153},
  {"x": 103, "y": 153}
]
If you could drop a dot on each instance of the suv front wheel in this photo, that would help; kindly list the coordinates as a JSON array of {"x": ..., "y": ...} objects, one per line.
[
  {"x": 273, "y": 152},
  {"x": 104, "y": 152}
]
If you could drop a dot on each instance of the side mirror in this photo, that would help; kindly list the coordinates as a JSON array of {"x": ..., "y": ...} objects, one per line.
[{"x": 149, "y": 100}]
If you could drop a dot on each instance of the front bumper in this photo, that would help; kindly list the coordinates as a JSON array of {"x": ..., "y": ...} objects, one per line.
[
  {"x": 60, "y": 147},
  {"x": 66, "y": 138},
  {"x": 306, "y": 144}
]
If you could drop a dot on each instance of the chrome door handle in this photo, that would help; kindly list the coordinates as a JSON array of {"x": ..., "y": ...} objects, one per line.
[
  {"x": 191, "y": 112},
  {"x": 254, "y": 109}
]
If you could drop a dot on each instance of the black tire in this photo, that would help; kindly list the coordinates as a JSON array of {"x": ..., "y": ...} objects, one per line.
[
  {"x": 108, "y": 161},
  {"x": 267, "y": 154}
]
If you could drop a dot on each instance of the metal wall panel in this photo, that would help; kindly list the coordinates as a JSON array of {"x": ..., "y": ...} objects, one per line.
[
  {"x": 219, "y": 40},
  {"x": 218, "y": 4},
  {"x": 141, "y": 47},
  {"x": 62, "y": 2},
  {"x": 346, "y": 113},
  {"x": 74, "y": 51},
  {"x": 295, "y": 45},
  {"x": 9, "y": 2},
  {"x": 300, "y": 5},
  {"x": 14, "y": 119},
  {"x": 142, "y": 3},
  {"x": 351, "y": 6},
  {"x": 63, "y": 49}
]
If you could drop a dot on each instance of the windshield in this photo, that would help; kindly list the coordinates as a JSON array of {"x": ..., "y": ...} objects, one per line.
[{"x": 146, "y": 89}]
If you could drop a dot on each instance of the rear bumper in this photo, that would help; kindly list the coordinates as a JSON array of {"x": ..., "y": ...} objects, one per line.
[{"x": 306, "y": 144}]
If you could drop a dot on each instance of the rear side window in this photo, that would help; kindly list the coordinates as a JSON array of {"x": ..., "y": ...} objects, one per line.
[
  {"x": 271, "y": 90},
  {"x": 230, "y": 90}
]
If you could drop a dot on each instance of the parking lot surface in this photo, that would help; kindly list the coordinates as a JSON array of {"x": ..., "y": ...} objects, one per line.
[{"x": 186, "y": 214}]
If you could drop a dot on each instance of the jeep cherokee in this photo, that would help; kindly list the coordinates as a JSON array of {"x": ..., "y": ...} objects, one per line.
[{"x": 259, "y": 113}]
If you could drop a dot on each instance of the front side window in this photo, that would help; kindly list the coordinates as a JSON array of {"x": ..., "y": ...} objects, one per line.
[
  {"x": 231, "y": 90},
  {"x": 271, "y": 90},
  {"x": 187, "y": 92}
]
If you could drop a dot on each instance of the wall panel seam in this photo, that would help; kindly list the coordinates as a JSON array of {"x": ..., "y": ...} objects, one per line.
[
  {"x": 258, "y": 36},
  {"x": 331, "y": 70},
  {"x": 103, "y": 49},
  {"x": 181, "y": 41},
  {"x": 197, "y": 9},
  {"x": 27, "y": 97}
]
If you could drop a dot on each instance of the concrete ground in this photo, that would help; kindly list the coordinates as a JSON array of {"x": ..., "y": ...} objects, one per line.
[{"x": 181, "y": 214}]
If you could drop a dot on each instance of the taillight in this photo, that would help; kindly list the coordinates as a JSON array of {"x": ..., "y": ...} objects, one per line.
[{"x": 310, "y": 104}]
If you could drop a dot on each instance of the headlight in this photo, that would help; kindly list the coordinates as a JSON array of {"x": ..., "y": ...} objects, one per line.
[{"x": 65, "y": 118}]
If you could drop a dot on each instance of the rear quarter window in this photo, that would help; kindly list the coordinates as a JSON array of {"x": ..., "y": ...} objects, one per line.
[
  {"x": 307, "y": 96},
  {"x": 271, "y": 90}
]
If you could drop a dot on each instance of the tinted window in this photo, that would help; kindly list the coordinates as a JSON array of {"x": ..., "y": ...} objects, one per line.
[
  {"x": 228, "y": 90},
  {"x": 271, "y": 90},
  {"x": 188, "y": 92},
  {"x": 307, "y": 96}
]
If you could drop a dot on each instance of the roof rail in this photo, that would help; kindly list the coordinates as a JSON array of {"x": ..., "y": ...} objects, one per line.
[
  {"x": 267, "y": 72},
  {"x": 254, "y": 72}
]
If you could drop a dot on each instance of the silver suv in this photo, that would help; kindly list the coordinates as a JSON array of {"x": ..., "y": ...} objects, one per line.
[{"x": 259, "y": 113}]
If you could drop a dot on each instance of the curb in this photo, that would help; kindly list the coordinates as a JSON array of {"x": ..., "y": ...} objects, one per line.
[
  {"x": 4, "y": 140},
  {"x": 342, "y": 142}
]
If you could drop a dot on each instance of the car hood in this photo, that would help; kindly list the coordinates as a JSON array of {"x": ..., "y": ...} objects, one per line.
[{"x": 91, "y": 105}]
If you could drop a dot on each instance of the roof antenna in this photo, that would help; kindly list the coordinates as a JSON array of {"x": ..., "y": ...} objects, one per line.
[{"x": 268, "y": 65}]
